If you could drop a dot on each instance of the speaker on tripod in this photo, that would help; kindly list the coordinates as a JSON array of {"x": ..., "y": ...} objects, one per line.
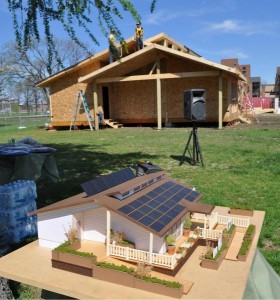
[
  {"x": 194, "y": 110},
  {"x": 194, "y": 104}
]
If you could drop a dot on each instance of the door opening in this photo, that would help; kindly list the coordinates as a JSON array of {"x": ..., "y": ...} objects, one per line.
[{"x": 106, "y": 107}]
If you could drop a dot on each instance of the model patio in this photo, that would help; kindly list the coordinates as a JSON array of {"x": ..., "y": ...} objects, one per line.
[{"x": 137, "y": 216}]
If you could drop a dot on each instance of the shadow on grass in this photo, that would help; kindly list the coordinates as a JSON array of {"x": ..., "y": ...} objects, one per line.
[{"x": 77, "y": 164}]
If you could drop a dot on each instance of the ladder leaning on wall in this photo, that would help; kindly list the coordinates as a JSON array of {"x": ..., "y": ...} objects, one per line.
[{"x": 76, "y": 108}]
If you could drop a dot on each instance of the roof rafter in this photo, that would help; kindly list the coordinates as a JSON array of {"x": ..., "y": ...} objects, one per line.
[{"x": 158, "y": 76}]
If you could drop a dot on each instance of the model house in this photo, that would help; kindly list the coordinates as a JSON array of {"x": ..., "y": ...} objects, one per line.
[
  {"x": 143, "y": 209},
  {"x": 145, "y": 86}
]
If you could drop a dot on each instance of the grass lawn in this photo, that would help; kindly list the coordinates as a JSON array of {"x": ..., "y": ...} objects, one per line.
[{"x": 242, "y": 164}]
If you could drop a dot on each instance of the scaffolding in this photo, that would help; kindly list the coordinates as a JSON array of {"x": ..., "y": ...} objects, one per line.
[{"x": 248, "y": 113}]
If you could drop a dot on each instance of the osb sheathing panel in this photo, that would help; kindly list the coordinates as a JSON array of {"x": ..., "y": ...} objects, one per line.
[
  {"x": 64, "y": 95},
  {"x": 137, "y": 99}
]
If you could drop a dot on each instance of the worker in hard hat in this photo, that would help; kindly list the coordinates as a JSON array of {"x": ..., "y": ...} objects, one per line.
[
  {"x": 139, "y": 32},
  {"x": 114, "y": 52}
]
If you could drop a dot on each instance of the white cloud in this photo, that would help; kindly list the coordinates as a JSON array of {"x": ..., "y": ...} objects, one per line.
[
  {"x": 246, "y": 28},
  {"x": 224, "y": 53}
]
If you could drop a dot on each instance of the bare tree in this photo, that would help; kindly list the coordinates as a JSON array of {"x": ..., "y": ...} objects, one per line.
[
  {"x": 24, "y": 70},
  {"x": 27, "y": 14}
]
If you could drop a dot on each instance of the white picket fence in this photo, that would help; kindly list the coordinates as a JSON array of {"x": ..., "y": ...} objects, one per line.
[
  {"x": 211, "y": 234},
  {"x": 167, "y": 261},
  {"x": 240, "y": 222}
]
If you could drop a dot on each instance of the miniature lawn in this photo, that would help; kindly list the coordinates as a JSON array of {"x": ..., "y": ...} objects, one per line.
[{"x": 242, "y": 164}]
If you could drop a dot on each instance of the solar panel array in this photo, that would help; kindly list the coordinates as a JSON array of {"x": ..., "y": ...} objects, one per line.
[
  {"x": 106, "y": 182},
  {"x": 160, "y": 206}
]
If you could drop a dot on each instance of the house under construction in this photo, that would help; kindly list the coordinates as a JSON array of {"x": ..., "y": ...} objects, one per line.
[{"x": 144, "y": 87}]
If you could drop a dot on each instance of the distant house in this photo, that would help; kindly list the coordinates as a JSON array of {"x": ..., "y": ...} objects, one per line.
[{"x": 144, "y": 87}]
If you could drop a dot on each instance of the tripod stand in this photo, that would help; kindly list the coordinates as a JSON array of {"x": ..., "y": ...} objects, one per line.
[{"x": 196, "y": 152}]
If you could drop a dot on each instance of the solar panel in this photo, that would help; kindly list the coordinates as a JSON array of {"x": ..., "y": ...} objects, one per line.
[
  {"x": 163, "y": 209},
  {"x": 165, "y": 220},
  {"x": 143, "y": 199},
  {"x": 146, "y": 221},
  {"x": 106, "y": 182},
  {"x": 153, "y": 204},
  {"x": 154, "y": 214},
  {"x": 179, "y": 208},
  {"x": 190, "y": 198},
  {"x": 126, "y": 209},
  {"x": 172, "y": 213},
  {"x": 144, "y": 209},
  {"x": 157, "y": 226},
  {"x": 160, "y": 206},
  {"x": 135, "y": 204},
  {"x": 136, "y": 215}
]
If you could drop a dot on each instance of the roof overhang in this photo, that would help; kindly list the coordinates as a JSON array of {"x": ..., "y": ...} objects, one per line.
[{"x": 115, "y": 71}]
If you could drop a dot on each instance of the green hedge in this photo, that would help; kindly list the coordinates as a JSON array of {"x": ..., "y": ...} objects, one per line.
[
  {"x": 171, "y": 284},
  {"x": 242, "y": 206},
  {"x": 121, "y": 268},
  {"x": 63, "y": 248},
  {"x": 131, "y": 271},
  {"x": 249, "y": 232},
  {"x": 245, "y": 246}
]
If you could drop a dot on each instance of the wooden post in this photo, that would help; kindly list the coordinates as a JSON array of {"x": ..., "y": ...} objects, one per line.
[
  {"x": 158, "y": 97},
  {"x": 95, "y": 104},
  {"x": 108, "y": 232},
  {"x": 220, "y": 100}
]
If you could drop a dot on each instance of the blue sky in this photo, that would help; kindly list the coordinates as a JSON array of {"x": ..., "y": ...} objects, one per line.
[{"x": 215, "y": 29}]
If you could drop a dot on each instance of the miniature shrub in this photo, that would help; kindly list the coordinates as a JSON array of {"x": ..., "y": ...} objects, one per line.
[
  {"x": 249, "y": 232},
  {"x": 121, "y": 268},
  {"x": 187, "y": 223},
  {"x": 245, "y": 246},
  {"x": 170, "y": 240},
  {"x": 63, "y": 248},
  {"x": 242, "y": 206},
  {"x": 131, "y": 271},
  {"x": 231, "y": 229},
  {"x": 171, "y": 284},
  {"x": 209, "y": 255}
]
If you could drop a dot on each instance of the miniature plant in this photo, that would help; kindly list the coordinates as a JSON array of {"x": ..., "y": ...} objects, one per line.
[
  {"x": 72, "y": 234},
  {"x": 63, "y": 248},
  {"x": 143, "y": 270},
  {"x": 170, "y": 240},
  {"x": 191, "y": 240},
  {"x": 187, "y": 223}
]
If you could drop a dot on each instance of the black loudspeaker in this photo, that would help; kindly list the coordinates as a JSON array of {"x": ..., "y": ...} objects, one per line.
[{"x": 194, "y": 104}]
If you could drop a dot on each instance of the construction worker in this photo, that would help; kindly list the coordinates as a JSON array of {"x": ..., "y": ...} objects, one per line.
[
  {"x": 113, "y": 51},
  {"x": 139, "y": 32}
]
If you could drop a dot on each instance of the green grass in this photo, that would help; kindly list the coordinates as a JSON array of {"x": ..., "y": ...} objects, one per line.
[{"x": 242, "y": 165}]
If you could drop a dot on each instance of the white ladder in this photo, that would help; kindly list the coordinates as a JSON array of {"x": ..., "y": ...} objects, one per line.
[{"x": 76, "y": 110}]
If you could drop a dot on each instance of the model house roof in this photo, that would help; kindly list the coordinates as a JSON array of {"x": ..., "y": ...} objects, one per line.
[
  {"x": 155, "y": 47},
  {"x": 154, "y": 201}
]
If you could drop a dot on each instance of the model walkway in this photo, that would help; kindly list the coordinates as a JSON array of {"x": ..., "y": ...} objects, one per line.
[{"x": 235, "y": 246}]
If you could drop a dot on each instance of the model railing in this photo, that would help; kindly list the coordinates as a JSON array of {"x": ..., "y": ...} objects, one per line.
[
  {"x": 167, "y": 261},
  {"x": 198, "y": 216},
  {"x": 210, "y": 234},
  {"x": 240, "y": 222},
  {"x": 213, "y": 220}
]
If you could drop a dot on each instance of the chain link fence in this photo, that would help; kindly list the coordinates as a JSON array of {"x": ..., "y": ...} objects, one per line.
[{"x": 20, "y": 122}]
